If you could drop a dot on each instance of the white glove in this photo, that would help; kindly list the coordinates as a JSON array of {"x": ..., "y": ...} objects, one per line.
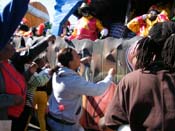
[
  {"x": 29, "y": 42},
  {"x": 144, "y": 16},
  {"x": 104, "y": 32}
]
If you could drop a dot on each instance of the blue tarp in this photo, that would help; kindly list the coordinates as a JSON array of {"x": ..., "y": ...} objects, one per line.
[{"x": 63, "y": 10}]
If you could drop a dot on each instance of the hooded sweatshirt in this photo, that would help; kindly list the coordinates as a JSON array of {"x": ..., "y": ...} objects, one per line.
[{"x": 68, "y": 88}]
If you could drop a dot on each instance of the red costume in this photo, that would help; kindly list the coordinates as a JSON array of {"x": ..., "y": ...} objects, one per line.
[
  {"x": 141, "y": 25},
  {"x": 88, "y": 26}
]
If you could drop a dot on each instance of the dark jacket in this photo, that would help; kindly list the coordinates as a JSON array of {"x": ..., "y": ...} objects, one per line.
[{"x": 18, "y": 60}]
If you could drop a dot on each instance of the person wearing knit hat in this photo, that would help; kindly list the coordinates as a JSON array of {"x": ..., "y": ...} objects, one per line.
[
  {"x": 40, "y": 29},
  {"x": 88, "y": 26}
]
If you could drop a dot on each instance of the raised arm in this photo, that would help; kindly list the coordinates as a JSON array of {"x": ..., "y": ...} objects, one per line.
[{"x": 10, "y": 18}]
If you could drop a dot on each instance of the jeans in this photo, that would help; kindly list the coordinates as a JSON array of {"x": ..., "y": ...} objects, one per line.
[{"x": 55, "y": 126}]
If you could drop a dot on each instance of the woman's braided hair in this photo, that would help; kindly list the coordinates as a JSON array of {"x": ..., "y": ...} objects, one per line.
[
  {"x": 158, "y": 46},
  {"x": 145, "y": 52},
  {"x": 168, "y": 52}
]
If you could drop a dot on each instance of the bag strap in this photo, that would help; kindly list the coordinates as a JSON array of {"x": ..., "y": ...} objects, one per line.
[{"x": 3, "y": 110}]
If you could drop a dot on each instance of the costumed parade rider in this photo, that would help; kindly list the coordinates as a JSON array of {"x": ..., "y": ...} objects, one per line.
[
  {"x": 142, "y": 24},
  {"x": 88, "y": 27}
]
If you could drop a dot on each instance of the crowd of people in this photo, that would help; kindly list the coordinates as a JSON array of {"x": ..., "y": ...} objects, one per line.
[{"x": 143, "y": 98}]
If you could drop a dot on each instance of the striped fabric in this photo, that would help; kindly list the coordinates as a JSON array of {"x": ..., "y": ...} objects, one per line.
[
  {"x": 119, "y": 30},
  {"x": 35, "y": 81}
]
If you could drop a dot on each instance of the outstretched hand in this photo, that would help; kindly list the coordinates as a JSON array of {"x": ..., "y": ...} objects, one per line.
[
  {"x": 112, "y": 71},
  {"x": 104, "y": 33},
  {"x": 33, "y": 67}
]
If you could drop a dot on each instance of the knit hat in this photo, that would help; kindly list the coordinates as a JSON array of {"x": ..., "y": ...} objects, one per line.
[{"x": 40, "y": 29}]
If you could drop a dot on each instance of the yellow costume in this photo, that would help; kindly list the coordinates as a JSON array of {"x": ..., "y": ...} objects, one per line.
[
  {"x": 87, "y": 28},
  {"x": 141, "y": 26}
]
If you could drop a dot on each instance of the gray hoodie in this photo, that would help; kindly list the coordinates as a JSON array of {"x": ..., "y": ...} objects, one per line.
[{"x": 68, "y": 88}]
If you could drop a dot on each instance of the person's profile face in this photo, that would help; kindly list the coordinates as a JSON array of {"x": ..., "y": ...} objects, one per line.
[{"x": 75, "y": 63}]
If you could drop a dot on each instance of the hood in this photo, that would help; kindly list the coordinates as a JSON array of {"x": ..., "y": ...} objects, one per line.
[{"x": 64, "y": 71}]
